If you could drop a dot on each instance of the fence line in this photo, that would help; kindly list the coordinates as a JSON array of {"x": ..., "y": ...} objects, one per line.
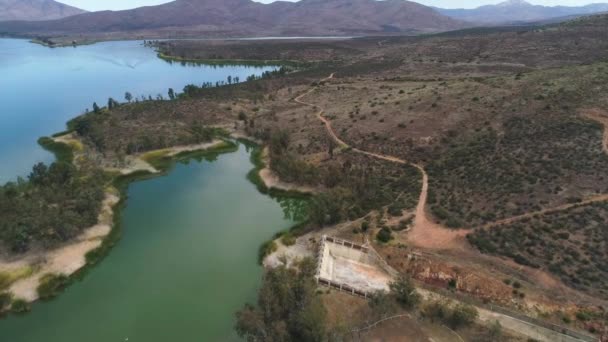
[{"x": 501, "y": 310}]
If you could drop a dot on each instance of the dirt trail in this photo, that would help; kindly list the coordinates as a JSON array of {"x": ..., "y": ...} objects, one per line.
[
  {"x": 600, "y": 116},
  {"x": 598, "y": 198},
  {"x": 428, "y": 234},
  {"x": 424, "y": 233},
  {"x": 594, "y": 114}
]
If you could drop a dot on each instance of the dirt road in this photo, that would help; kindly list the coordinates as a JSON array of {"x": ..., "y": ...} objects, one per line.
[{"x": 426, "y": 233}]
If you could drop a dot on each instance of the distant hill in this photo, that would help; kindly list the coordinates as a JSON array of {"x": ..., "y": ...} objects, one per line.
[
  {"x": 515, "y": 11},
  {"x": 35, "y": 10},
  {"x": 248, "y": 18}
]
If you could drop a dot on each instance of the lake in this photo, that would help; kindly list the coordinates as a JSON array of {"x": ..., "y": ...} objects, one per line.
[
  {"x": 187, "y": 257},
  {"x": 42, "y": 88}
]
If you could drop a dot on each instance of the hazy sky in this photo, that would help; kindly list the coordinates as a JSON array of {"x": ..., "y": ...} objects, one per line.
[{"x": 96, "y": 5}]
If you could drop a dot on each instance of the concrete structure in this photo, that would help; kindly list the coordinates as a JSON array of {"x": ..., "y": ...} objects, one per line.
[{"x": 350, "y": 267}]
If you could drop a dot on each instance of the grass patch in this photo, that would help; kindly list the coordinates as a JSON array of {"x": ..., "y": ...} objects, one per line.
[
  {"x": 266, "y": 249},
  {"x": 163, "y": 160},
  {"x": 8, "y": 278},
  {"x": 63, "y": 152}
]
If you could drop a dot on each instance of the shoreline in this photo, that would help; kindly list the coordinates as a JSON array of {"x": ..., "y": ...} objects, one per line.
[
  {"x": 221, "y": 62},
  {"x": 65, "y": 260},
  {"x": 74, "y": 258},
  {"x": 272, "y": 181}
]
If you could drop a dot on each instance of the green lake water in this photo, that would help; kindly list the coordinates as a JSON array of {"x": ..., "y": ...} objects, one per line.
[
  {"x": 186, "y": 262},
  {"x": 187, "y": 257}
]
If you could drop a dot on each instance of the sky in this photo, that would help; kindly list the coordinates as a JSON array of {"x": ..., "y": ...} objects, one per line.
[{"x": 98, "y": 5}]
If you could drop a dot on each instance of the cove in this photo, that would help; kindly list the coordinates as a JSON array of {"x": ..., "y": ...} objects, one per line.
[
  {"x": 43, "y": 88},
  {"x": 186, "y": 260},
  {"x": 185, "y": 263}
]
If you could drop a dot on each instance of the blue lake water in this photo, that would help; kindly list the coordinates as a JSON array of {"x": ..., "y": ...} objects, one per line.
[
  {"x": 187, "y": 256},
  {"x": 42, "y": 88}
]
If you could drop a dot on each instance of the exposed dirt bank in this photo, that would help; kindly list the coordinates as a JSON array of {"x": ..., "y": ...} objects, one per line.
[{"x": 66, "y": 259}]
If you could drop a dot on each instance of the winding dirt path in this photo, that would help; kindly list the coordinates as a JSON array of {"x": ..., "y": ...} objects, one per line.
[
  {"x": 594, "y": 114},
  {"x": 424, "y": 233},
  {"x": 600, "y": 116},
  {"x": 594, "y": 199},
  {"x": 427, "y": 234}
]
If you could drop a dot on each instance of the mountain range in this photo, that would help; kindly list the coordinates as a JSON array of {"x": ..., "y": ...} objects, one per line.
[
  {"x": 35, "y": 10},
  {"x": 516, "y": 11},
  {"x": 246, "y": 18},
  {"x": 249, "y": 18}
]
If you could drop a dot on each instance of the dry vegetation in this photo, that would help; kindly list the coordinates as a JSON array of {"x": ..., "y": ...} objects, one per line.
[{"x": 493, "y": 117}]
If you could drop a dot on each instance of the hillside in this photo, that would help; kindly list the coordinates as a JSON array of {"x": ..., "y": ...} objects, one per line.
[
  {"x": 35, "y": 10},
  {"x": 513, "y": 11},
  {"x": 247, "y": 18}
]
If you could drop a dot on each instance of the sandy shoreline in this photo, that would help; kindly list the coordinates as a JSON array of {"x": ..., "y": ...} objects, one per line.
[
  {"x": 28, "y": 269},
  {"x": 64, "y": 260},
  {"x": 71, "y": 257},
  {"x": 272, "y": 181}
]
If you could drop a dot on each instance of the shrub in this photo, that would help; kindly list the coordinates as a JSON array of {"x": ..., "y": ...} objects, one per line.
[
  {"x": 266, "y": 249},
  {"x": 51, "y": 285},
  {"x": 405, "y": 292},
  {"x": 288, "y": 239},
  {"x": 5, "y": 300},
  {"x": 436, "y": 311},
  {"x": 456, "y": 316},
  {"x": 462, "y": 315},
  {"x": 20, "y": 306},
  {"x": 583, "y": 316},
  {"x": 384, "y": 235},
  {"x": 364, "y": 226},
  {"x": 5, "y": 280},
  {"x": 382, "y": 305}
]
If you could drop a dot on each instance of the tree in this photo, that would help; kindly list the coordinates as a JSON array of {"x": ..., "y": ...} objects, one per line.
[
  {"x": 384, "y": 235},
  {"x": 405, "y": 292},
  {"x": 112, "y": 103},
  {"x": 288, "y": 309},
  {"x": 495, "y": 332},
  {"x": 38, "y": 176},
  {"x": 96, "y": 108},
  {"x": 190, "y": 89},
  {"x": 229, "y": 79},
  {"x": 462, "y": 315},
  {"x": 382, "y": 305},
  {"x": 171, "y": 94},
  {"x": 128, "y": 97},
  {"x": 331, "y": 145}
]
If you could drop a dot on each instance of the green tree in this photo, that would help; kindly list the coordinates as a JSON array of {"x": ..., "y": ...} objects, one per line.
[
  {"x": 288, "y": 309},
  {"x": 404, "y": 291},
  {"x": 382, "y": 305},
  {"x": 384, "y": 235},
  {"x": 462, "y": 315},
  {"x": 128, "y": 97},
  {"x": 171, "y": 94},
  {"x": 96, "y": 108},
  {"x": 495, "y": 332}
]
